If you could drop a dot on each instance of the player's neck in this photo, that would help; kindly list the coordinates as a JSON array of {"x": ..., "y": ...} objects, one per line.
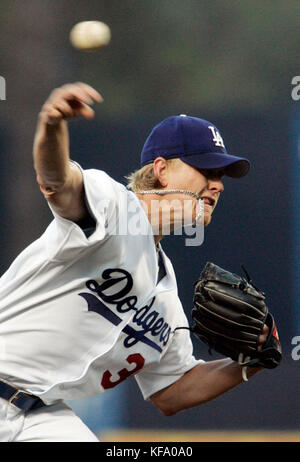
[{"x": 150, "y": 204}]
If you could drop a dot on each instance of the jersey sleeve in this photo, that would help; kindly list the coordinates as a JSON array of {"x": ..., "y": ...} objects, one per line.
[
  {"x": 102, "y": 197},
  {"x": 177, "y": 360}
]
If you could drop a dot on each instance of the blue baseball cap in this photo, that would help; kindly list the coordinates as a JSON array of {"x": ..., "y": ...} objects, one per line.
[{"x": 196, "y": 142}]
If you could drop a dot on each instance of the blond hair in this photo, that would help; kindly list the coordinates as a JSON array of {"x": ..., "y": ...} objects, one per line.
[{"x": 144, "y": 178}]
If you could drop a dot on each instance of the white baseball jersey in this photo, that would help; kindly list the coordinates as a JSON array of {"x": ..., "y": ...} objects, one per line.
[{"x": 79, "y": 314}]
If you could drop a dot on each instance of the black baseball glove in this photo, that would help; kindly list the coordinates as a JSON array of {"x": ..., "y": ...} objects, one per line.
[{"x": 229, "y": 315}]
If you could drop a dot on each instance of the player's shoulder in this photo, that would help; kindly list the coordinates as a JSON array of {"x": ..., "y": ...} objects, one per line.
[{"x": 100, "y": 180}]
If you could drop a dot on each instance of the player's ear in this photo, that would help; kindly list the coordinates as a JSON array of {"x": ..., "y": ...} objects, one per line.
[{"x": 160, "y": 170}]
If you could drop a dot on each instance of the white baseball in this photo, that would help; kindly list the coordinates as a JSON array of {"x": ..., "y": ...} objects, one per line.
[{"x": 90, "y": 35}]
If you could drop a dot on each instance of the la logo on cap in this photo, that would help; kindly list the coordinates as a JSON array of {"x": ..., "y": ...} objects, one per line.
[{"x": 217, "y": 138}]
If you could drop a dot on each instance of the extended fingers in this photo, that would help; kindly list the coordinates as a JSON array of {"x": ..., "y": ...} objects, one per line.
[
  {"x": 94, "y": 94},
  {"x": 69, "y": 101},
  {"x": 78, "y": 91}
]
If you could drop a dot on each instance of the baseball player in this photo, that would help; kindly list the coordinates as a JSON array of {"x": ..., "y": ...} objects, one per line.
[{"x": 86, "y": 305}]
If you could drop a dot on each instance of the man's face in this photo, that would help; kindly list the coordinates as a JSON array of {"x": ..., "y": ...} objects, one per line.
[{"x": 207, "y": 184}]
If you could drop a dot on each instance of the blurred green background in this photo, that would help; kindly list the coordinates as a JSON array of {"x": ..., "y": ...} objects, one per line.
[{"x": 230, "y": 62}]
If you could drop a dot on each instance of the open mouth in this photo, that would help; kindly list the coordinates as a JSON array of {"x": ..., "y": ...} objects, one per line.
[{"x": 208, "y": 201}]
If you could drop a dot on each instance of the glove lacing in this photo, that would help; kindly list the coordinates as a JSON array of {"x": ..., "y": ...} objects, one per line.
[{"x": 243, "y": 360}]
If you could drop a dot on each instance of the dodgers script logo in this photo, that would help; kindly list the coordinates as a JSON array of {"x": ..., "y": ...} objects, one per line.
[{"x": 145, "y": 318}]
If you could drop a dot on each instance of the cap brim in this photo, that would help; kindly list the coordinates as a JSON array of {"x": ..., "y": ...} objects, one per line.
[{"x": 235, "y": 167}]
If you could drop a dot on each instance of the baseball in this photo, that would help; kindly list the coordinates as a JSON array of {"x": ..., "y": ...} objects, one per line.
[{"x": 90, "y": 35}]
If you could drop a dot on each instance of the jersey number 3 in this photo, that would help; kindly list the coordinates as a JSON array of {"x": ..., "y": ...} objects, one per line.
[{"x": 136, "y": 359}]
